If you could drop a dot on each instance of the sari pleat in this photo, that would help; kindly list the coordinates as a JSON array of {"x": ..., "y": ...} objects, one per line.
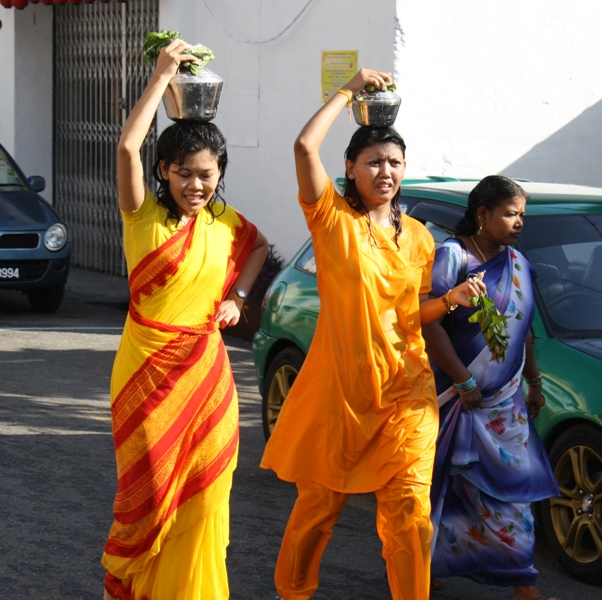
[{"x": 175, "y": 414}]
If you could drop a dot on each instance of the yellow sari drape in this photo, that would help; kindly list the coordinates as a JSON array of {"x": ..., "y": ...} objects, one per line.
[{"x": 174, "y": 408}]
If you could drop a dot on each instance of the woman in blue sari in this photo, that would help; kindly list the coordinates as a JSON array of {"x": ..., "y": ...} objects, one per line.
[{"x": 490, "y": 463}]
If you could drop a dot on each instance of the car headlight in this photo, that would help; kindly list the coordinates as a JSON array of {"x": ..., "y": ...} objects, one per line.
[{"x": 55, "y": 237}]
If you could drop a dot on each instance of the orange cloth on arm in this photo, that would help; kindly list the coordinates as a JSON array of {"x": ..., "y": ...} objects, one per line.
[
  {"x": 174, "y": 407},
  {"x": 344, "y": 421}
]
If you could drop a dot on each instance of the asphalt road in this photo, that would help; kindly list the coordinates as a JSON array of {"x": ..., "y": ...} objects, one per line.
[{"x": 58, "y": 470}]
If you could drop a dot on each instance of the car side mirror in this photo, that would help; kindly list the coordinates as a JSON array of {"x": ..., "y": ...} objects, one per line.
[{"x": 37, "y": 183}]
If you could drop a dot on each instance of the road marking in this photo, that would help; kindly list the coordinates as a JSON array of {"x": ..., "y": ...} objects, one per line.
[{"x": 25, "y": 360}]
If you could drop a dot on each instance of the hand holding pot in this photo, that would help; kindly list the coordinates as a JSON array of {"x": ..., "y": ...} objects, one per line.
[
  {"x": 171, "y": 56},
  {"x": 365, "y": 77}
]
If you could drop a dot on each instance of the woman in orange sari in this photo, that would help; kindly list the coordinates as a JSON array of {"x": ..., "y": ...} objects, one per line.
[
  {"x": 362, "y": 415},
  {"x": 191, "y": 260}
]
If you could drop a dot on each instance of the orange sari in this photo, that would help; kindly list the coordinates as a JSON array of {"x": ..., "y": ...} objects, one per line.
[{"x": 174, "y": 409}]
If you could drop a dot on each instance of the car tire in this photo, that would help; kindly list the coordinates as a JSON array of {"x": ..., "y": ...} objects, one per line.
[
  {"x": 573, "y": 521},
  {"x": 280, "y": 377},
  {"x": 46, "y": 300}
]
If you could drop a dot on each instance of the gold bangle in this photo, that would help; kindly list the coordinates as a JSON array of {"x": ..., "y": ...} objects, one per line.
[
  {"x": 448, "y": 303},
  {"x": 534, "y": 381}
]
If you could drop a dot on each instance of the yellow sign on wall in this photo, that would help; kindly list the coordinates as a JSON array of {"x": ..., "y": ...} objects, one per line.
[{"x": 338, "y": 67}]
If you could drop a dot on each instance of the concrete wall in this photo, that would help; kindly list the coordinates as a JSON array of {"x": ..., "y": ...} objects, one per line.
[
  {"x": 7, "y": 77},
  {"x": 508, "y": 87},
  {"x": 26, "y": 96},
  {"x": 33, "y": 93},
  {"x": 487, "y": 87},
  {"x": 272, "y": 88}
]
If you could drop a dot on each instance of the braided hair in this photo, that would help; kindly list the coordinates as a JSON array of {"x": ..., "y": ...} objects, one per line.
[
  {"x": 490, "y": 192},
  {"x": 174, "y": 144},
  {"x": 361, "y": 139}
]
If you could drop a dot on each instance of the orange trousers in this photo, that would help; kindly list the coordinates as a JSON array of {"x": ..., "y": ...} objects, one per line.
[{"x": 403, "y": 524}]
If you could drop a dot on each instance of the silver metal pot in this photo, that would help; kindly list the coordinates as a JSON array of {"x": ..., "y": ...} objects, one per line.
[
  {"x": 375, "y": 109},
  {"x": 194, "y": 97}
]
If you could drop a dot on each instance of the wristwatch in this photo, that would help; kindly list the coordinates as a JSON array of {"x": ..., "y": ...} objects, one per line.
[{"x": 240, "y": 293}]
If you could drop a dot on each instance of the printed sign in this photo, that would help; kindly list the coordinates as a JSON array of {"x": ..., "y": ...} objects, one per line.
[{"x": 338, "y": 67}]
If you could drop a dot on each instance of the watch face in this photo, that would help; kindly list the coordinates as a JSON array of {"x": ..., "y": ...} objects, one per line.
[{"x": 241, "y": 293}]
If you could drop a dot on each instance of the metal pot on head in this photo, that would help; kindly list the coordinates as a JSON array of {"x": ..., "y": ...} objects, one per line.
[
  {"x": 193, "y": 97},
  {"x": 375, "y": 109}
]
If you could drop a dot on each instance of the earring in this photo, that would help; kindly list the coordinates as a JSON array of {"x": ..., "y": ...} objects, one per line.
[{"x": 480, "y": 228}]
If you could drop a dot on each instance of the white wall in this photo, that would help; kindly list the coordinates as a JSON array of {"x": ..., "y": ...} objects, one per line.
[
  {"x": 271, "y": 89},
  {"x": 508, "y": 87},
  {"x": 7, "y": 79},
  {"x": 33, "y": 93}
]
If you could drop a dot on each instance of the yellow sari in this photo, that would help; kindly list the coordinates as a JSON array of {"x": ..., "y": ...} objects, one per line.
[{"x": 174, "y": 408}]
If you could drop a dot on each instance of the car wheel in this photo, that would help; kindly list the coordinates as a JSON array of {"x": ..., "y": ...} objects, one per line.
[
  {"x": 573, "y": 521},
  {"x": 46, "y": 300},
  {"x": 278, "y": 381}
]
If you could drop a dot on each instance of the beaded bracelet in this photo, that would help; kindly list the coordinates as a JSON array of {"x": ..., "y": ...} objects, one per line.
[{"x": 466, "y": 386}]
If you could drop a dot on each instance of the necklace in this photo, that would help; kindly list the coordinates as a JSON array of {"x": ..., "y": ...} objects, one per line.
[{"x": 478, "y": 249}]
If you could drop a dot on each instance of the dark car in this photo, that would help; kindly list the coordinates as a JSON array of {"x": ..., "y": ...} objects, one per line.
[
  {"x": 562, "y": 238},
  {"x": 35, "y": 246}
]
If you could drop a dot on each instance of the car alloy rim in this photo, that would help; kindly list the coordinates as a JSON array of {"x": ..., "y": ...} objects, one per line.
[
  {"x": 577, "y": 514},
  {"x": 279, "y": 389}
]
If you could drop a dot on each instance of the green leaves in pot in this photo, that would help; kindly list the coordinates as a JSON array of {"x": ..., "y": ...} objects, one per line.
[
  {"x": 370, "y": 89},
  {"x": 493, "y": 326},
  {"x": 155, "y": 40}
]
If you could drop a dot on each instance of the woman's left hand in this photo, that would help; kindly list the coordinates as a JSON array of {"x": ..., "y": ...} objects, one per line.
[
  {"x": 228, "y": 313},
  {"x": 471, "y": 288},
  {"x": 535, "y": 400}
]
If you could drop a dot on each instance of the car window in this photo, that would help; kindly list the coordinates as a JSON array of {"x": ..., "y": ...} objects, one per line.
[
  {"x": 439, "y": 220},
  {"x": 566, "y": 252},
  {"x": 307, "y": 261},
  {"x": 439, "y": 233},
  {"x": 10, "y": 180}
]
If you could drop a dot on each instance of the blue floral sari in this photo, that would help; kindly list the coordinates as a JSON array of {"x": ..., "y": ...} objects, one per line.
[{"x": 490, "y": 463}]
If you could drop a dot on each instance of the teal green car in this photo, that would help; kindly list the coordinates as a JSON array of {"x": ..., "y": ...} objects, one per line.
[{"x": 562, "y": 238}]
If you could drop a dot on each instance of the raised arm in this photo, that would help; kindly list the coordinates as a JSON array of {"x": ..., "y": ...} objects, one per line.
[
  {"x": 130, "y": 175},
  {"x": 311, "y": 174}
]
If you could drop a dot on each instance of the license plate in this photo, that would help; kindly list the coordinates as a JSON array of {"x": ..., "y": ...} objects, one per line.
[{"x": 9, "y": 273}]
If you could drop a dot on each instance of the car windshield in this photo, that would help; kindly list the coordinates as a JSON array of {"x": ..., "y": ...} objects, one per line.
[
  {"x": 10, "y": 180},
  {"x": 566, "y": 252}
]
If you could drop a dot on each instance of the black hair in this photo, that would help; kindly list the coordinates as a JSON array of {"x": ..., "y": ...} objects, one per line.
[
  {"x": 174, "y": 144},
  {"x": 490, "y": 192},
  {"x": 363, "y": 138}
]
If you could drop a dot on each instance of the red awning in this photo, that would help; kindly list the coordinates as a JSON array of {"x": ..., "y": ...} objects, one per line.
[{"x": 24, "y": 3}]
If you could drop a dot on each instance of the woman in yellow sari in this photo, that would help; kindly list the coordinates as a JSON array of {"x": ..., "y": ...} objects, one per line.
[{"x": 191, "y": 260}]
